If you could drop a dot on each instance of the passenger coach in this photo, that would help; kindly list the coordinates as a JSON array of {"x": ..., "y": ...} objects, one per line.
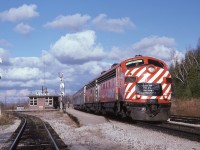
[{"x": 138, "y": 87}]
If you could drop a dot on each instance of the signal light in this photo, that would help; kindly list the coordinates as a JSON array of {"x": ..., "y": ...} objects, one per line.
[
  {"x": 165, "y": 96},
  {"x": 138, "y": 96},
  {"x": 151, "y": 69}
]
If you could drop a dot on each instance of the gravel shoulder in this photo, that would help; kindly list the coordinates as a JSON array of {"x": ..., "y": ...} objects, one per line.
[
  {"x": 95, "y": 132},
  {"x": 6, "y": 132}
]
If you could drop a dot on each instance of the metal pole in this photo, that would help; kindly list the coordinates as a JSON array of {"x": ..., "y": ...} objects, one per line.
[{"x": 62, "y": 87}]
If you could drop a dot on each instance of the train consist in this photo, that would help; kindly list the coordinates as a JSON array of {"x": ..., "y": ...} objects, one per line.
[{"x": 139, "y": 88}]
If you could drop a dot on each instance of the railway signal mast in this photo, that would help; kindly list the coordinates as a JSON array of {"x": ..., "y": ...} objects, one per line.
[{"x": 62, "y": 89}]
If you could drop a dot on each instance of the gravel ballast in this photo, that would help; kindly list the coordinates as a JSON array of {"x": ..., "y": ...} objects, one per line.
[{"x": 95, "y": 132}]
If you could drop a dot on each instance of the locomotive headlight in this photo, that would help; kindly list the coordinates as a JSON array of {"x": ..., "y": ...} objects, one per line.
[
  {"x": 138, "y": 96},
  {"x": 151, "y": 69},
  {"x": 165, "y": 97}
]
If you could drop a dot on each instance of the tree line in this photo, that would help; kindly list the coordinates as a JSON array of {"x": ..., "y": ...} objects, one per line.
[{"x": 186, "y": 74}]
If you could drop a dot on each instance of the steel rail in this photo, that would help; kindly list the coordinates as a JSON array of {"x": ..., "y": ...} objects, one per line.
[
  {"x": 186, "y": 119},
  {"x": 14, "y": 144},
  {"x": 54, "y": 143},
  {"x": 188, "y": 131}
]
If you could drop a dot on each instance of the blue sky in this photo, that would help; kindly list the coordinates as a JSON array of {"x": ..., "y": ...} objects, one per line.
[{"x": 72, "y": 36}]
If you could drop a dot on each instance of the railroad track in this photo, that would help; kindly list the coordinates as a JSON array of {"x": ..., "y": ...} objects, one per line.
[
  {"x": 185, "y": 119},
  {"x": 35, "y": 134},
  {"x": 187, "y": 131},
  {"x": 191, "y": 132}
]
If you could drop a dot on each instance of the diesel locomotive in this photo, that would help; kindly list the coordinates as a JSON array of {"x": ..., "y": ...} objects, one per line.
[{"x": 138, "y": 87}]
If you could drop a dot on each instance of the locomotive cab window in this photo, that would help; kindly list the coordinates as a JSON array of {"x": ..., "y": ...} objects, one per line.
[
  {"x": 155, "y": 63},
  {"x": 134, "y": 63}
]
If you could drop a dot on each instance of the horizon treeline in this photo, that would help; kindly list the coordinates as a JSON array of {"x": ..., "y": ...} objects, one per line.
[{"x": 186, "y": 74}]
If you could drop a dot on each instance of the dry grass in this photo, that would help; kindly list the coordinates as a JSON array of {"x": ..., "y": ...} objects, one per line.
[
  {"x": 186, "y": 107},
  {"x": 6, "y": 119}
]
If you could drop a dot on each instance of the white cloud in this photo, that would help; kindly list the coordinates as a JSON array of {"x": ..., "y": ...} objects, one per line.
[
  {"x": 155, "y": 46},
  {"x": 26, "y": 62},
  {"x": 24, "y": 73},
  {"x": 118, "y": 54},
  {"x": 5, "y": 56},
  {"x": 7, "y": 83},
  {"x": 73, "y": 22},
  {"x": 16, "y": 93},
  {"x": 112, "y": 25},
  {"x": 21, "y": 13},
  {"x": 148, "y": 42},
  {"x": 79, "y": 57},
  {"x": 23, "y": 28},
  {"x": 93, "y": 67},
  {"x": 31, "y": 83},
  {"x": 77, "y": 48}
]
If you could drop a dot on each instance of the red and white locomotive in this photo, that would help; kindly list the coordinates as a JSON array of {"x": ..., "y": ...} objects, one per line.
[{"x": 138, "y": 87}]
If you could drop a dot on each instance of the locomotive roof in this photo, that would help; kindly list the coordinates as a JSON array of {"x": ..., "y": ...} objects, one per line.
[
  {"x": 114, "y": 66},
  {"x": 142, "y": 57}
]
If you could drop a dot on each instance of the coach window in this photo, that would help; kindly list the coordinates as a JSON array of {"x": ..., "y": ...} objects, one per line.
[{"x": 134, "y": 63}]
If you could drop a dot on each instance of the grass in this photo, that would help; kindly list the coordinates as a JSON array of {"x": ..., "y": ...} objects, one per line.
[
  {"x": 186, "y": 107},
  {"x": 6, "y": 119}
]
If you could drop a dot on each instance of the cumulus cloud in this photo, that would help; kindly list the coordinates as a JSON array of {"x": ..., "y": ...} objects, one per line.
[
  {"x": 23, "y": 28},
  {"x": 72, "y": 22},
  {"x": 112, "y": 25},
  {"x": 77, "y": 48},
  {"x": 5, "y": 56},
  {"x": 26, "y": 62},
  {"x": 23, "y": 12},
  {"x": 93, "y": 67},
  {"x": 15, "y": 92},
  {"x": 148, "y": 42},
  {"x": 24, "y": 73},
  {"x": 118, "y": 54},
  {"x": 155, "y": 46},
  {"x": 79, "y": 57}
]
